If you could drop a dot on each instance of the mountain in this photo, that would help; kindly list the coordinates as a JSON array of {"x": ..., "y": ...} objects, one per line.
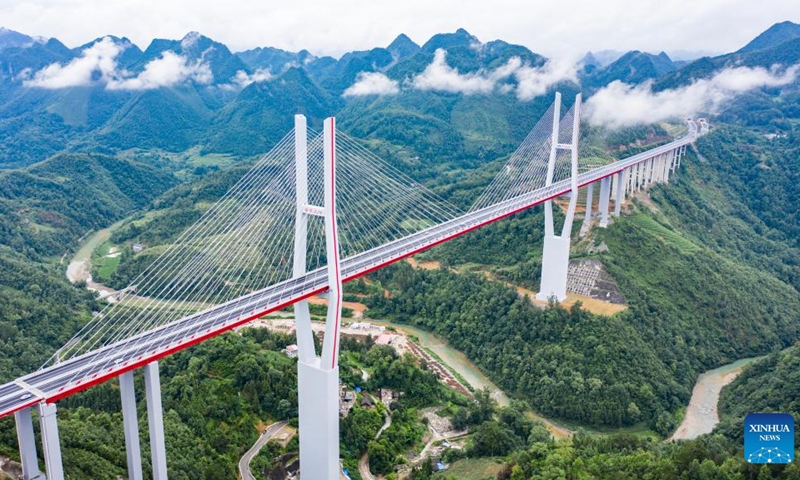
[
  {"x": 263, "y": 113},
  {"x": 606, "y": 57},
  {"x": 129, "y": 55},
  {"x": 772, "y": 37},
  {"x": 634, "y": 67},
  {"x": 336, "y": 77},
  {"x": 402, "y": 47},
  {"x": 14, "y": 61},
  {"x": 47, "y": 206},
  {"x": 785, "y": 54},
  {"x": 12, "y": 39},
  {"x": 195, "y": 47},
  {"x": 211, "y": 94},
  {"x": 274, "y": 60}
]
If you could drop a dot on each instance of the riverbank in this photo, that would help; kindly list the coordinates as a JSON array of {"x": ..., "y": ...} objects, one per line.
[
  {"x": 80, "y": 267},
  {"x": 701, "y": 413}
]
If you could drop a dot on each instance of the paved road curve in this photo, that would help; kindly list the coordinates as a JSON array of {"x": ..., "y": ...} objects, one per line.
[
  {"x": 363, "y": 464},
  {"x": 244, "y": 463}
]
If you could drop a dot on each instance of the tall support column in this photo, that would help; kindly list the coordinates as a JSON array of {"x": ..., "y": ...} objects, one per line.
[
  {"x": 51, "y": 445},
  {"x": 657, "y": 169},
  {"x": 639, "y": 176},
  {"x": 130, "y": 422},
  {"x": 605, "y": 192},
  {"x": 620, "y": 194},
  {"x": 555, "y": 257},
  {"x": 304, "y": 332},
  {"x": 673, "y": 160},
  {"x": 155, "y": 418},
  {"x": 27, "y": 445},
  {"x": 628, "y": 181},
  {"x": 587, "y": 218},
  {"x": 318, "y": 377}
]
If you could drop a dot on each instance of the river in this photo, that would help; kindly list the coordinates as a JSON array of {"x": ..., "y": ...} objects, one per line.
[
  {"x": 80, "y": 266},
  {"x": 701, "y": 414}
]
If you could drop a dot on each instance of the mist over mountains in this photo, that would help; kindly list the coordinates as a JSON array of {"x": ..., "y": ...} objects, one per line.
[{"x": 109, "y": 95}]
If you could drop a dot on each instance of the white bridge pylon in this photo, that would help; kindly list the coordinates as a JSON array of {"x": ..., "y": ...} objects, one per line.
[
  {"x": 318, "y": 375},
  {"x": 555, "y": 257}
]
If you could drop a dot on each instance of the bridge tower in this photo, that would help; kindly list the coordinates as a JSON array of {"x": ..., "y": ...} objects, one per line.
[
  {"x": 318, "y": 375},
  {"x": 555, "y": 258}
]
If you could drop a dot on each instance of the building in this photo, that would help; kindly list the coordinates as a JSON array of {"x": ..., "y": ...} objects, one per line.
[
  {"x": 137, "y": 247},
  {"x": 366, "y": 401},
  {"x": 388, "y": 396},
  {"x": 290, "y": 351}
]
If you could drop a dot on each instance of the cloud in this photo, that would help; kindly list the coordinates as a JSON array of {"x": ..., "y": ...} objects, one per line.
[
  {"x": 442, "y": 77},
  {"x": 372, "y": 83},
  {"x": 621, "y": 105},
  {"x": 535, "y": 81},
  {"x": 168, "y": 70},
  {"x": 242, "y": 79},
  {"x": 530, "y": 81},
  {"x": 96, "y": 65}
]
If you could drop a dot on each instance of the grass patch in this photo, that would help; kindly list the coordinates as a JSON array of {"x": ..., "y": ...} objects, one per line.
[
  {"x": 104, "y": 266},
  {"x": 472, "y": 469},
  {"x": 648, "y": 224}
]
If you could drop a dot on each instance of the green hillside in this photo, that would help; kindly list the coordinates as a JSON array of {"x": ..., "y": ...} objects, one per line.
[{"x": 49, "y": 205}]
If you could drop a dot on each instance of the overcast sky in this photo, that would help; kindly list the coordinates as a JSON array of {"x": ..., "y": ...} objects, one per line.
[{"x": 332, "y": 27}]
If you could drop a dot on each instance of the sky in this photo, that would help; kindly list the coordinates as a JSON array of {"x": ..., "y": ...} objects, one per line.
[{"x": 333, "y": 27}]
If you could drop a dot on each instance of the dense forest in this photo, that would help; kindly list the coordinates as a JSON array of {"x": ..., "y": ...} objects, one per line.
[{"x": 48, "y": 206}]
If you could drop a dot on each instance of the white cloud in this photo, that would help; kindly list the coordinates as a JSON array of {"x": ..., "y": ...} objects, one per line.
[
  {"x": 168, "y": 70},
  {"x": 530, "y": 81},
  {"x": 442, "y": 77},
  {"x": 620, "y": 105},
  {"x": 96, "y": 65},
  {"x": 535, "y": 81},
  {"x": 372, "y": 83},
  {"x": 243, "y": 79}
]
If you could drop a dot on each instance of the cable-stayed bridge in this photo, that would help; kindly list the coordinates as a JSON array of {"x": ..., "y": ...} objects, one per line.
[{"x": 309, "y": 216}]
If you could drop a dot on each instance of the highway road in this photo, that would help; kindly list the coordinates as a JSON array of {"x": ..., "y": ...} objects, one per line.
[
  {"x": 266, "y": 436},
  {"x": 69, "y": 377}
]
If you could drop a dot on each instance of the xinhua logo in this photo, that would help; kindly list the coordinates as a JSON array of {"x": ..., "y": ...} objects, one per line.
[{"x": 769, "y": 438}]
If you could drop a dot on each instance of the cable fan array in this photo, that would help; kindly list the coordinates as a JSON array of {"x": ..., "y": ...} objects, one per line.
[
  {"x": 526, "y": 170},
  {"x": 245, "y": 241}
]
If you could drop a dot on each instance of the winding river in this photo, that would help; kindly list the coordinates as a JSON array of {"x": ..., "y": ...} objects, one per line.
[{"x": 701, "y": 414}]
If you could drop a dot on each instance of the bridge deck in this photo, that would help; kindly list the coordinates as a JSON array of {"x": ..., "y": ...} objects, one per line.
[{"x": 77, "y": 374}]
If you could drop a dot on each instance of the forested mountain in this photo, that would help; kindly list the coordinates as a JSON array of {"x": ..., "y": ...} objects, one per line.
[
  {"x": 772, "y": 37},
  {"x": 48, "y": 206},
  {"x": 632, "y": 68}
]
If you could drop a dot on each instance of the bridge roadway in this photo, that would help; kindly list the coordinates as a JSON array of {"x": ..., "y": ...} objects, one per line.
[{"x": 72, "y": 376}]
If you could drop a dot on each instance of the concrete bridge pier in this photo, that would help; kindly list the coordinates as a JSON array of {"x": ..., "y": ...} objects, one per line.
[
  {"x": 51, "y": 446},
  {"x": 555, "y": 256},
  {"x": 605, "y": 193},
  {"x": 587, "y": 218}
]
